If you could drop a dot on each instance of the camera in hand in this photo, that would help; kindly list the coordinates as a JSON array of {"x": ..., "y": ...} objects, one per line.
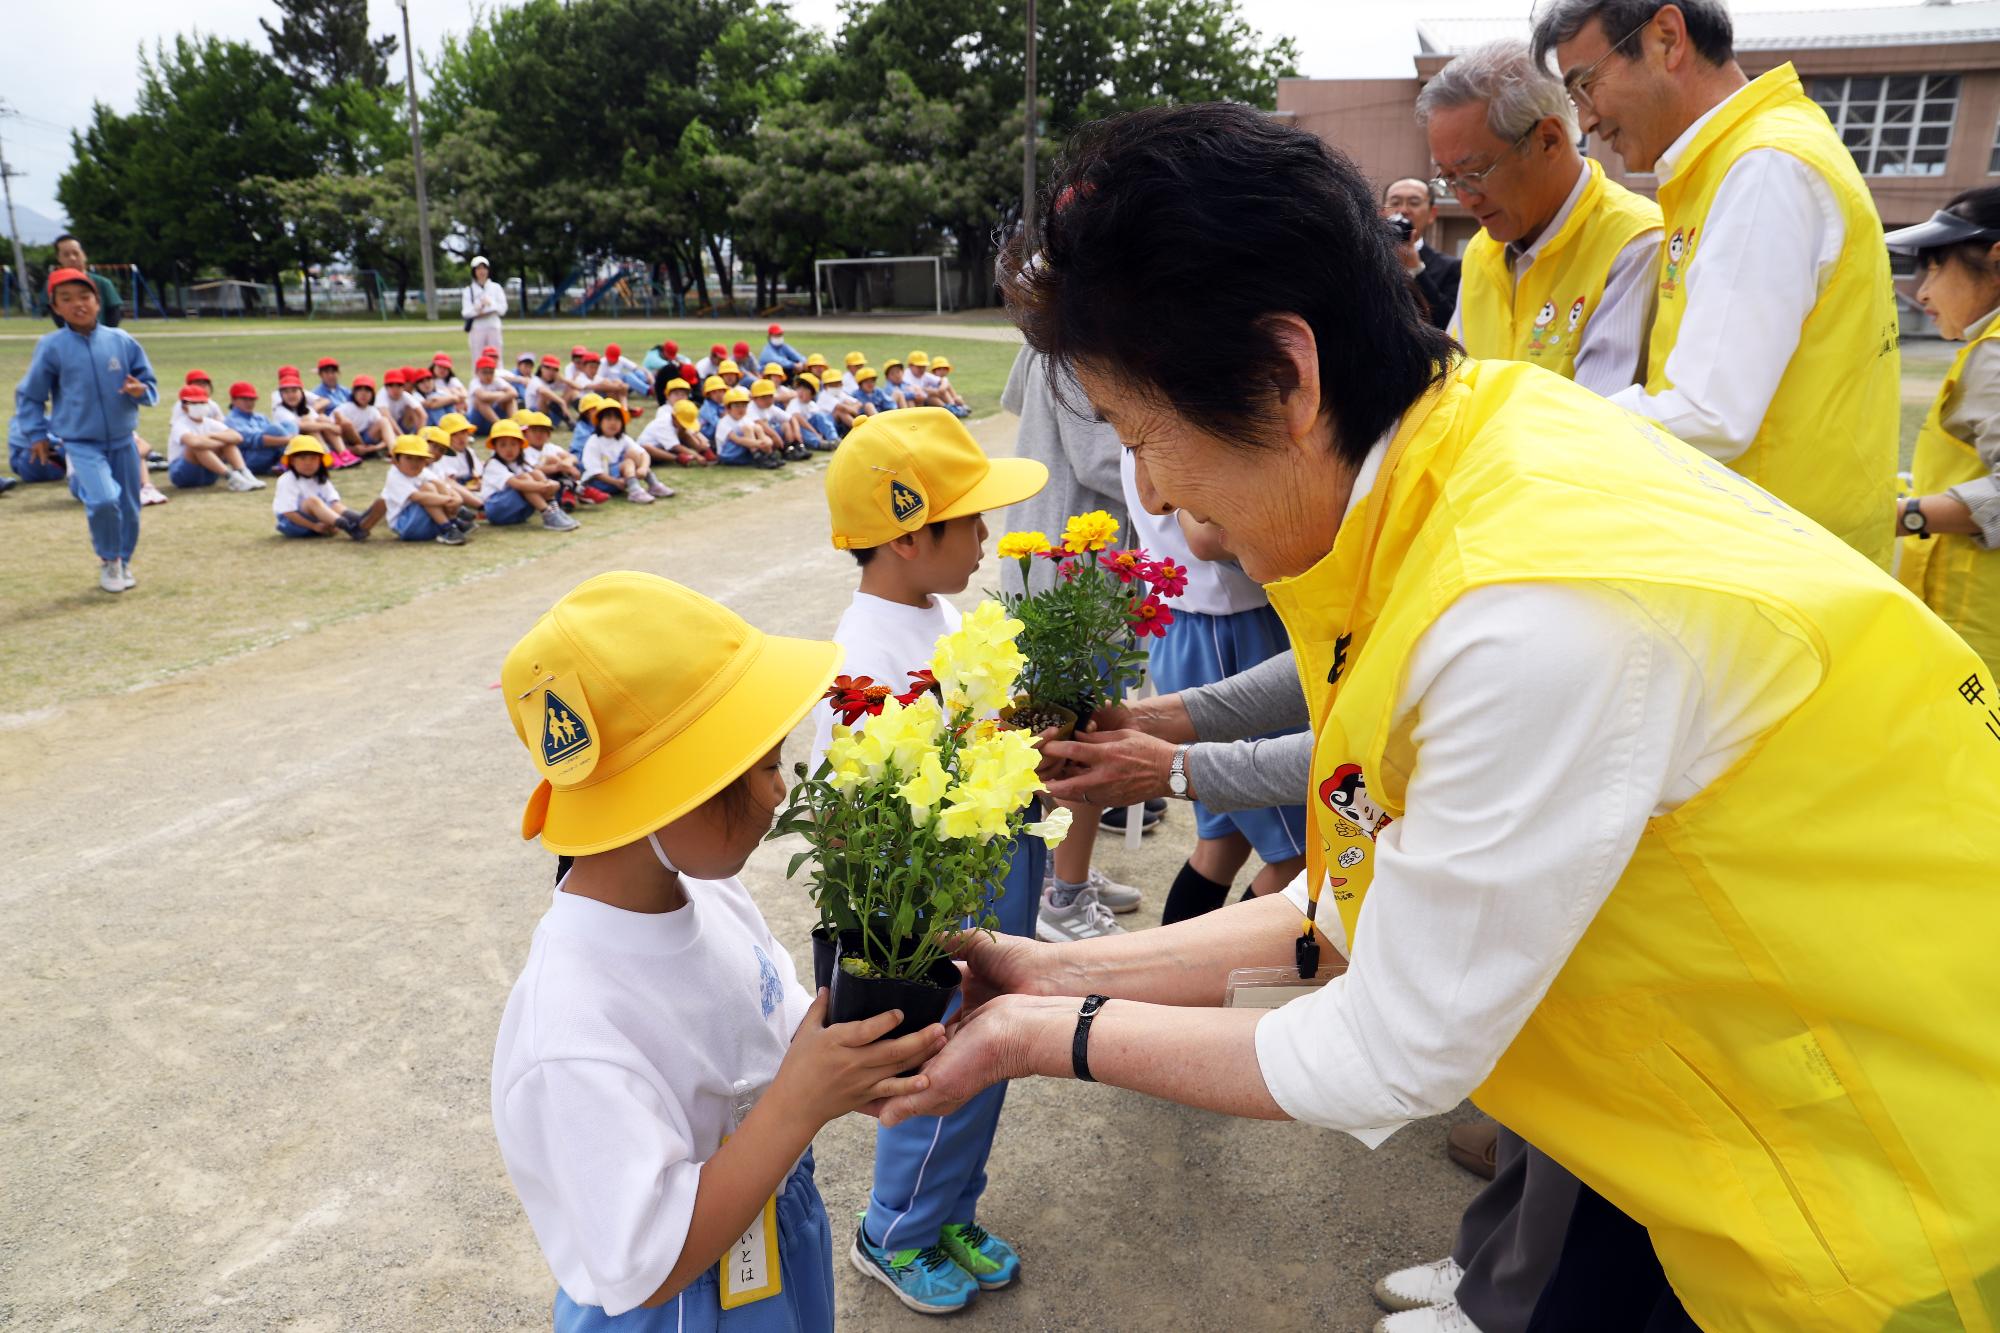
[{"x": 1401, "y": 226}]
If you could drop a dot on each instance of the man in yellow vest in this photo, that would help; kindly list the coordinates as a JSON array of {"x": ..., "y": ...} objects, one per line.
[
  {"x": 1561, "y": 273},
  {"x": 1774, "y": 344}
]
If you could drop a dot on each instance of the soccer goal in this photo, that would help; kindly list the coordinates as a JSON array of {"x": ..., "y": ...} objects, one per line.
[{"x": 893, "y": 282}]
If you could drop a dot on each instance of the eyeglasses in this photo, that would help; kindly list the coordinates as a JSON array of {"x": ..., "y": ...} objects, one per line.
[
  {"x": 1453, "y": 184},
  {"x": 1579, "y": 84}
]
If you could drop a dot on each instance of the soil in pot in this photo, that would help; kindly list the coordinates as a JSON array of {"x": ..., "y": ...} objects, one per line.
[
  {"x": 1037, "y": 718},
  {"x": 923, "y": 1002}
]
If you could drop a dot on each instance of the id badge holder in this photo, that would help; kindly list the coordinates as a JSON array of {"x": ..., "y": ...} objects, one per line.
[
  {"x": 749, "y": 1271},
  {"x": 1273, "y": 987}
]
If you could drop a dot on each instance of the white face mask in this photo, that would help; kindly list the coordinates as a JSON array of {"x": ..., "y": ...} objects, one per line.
[
  {"x": 777, "y": 340},
  {"x": 653, "y": 841}
]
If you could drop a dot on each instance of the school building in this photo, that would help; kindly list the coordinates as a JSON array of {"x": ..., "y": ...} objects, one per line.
[{"x": 1913, "y": 89}]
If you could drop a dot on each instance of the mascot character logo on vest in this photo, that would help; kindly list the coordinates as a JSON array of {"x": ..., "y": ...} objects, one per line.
[
  {"x": 1679, "y": 251},
  {"x": 1346, "y": 794},
  {"x": 1538, "y": 337},
  {"x": 1575, "y": 314}
]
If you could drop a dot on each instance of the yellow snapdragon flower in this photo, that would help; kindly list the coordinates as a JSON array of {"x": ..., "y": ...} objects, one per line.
[
  {"x": 1052, "y": 830},
  {"x": 924, "y": 790},
  {"x": 977, "y": 666}
]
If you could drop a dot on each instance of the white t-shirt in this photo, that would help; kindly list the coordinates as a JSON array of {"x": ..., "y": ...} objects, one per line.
[
  {"x": 574, "y": 374},
  {"x": 539, "y": 391},
  {"x": 285, "y": 419},
  {"x": 1215, "y": 587},
  {"x": 494, "y": 476},
  {"x": 885, "y": 641},
  {"x": 458, "y": 467},
  {"x": 195, "y": 417},
  {"x": 660, "y": 432},
  {"x": 292, "y": 489},
  {"x": 615, "y": 1069},
  {"x": 799, "y": 407},
  {"x": 398, "y": 406},
  {"x": 361, "y": 418},
  {"x": 728, "y": 427},
  {"x": 601, "y": 456},
  {"x": 397, "y": 490}
]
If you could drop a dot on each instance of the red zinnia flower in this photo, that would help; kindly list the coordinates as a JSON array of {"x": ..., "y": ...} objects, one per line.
[
  {"x": 854, "y": 697},
  {"x": 1168, "y": 579},
  {"x": 920, "y": 681},
  {"x": 1127, "y": 565},
  {"x": 1151, "y": 617}
]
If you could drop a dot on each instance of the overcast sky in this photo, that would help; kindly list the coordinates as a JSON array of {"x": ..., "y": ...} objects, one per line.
[{"x": 1344, "y": 38}]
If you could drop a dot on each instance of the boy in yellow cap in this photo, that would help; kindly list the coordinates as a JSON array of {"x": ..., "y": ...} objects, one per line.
[
  {"x": 418, "y": 507},
  {"x": 452, "y": 470},
  {"x": 660, "y": 1073},
  {"x": 712, "y": 391},
  {"x": 816, "y": 426},
  {"x": 305, "y": 501},
  {"x": 906, "y": 491},
  {"x": 742, "y": 441},
  {"x": 853, "y": 362},
  {"x": 551, "y": 460},
  {"x": 937, "y": 390},
  {"x": 513, "y": 487},
  {"x": 771, "y": 418}
]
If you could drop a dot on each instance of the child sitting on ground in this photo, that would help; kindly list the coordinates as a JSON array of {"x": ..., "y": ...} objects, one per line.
[
  {"x": 770, "y": 417},
  {"x": 489, "y": 399},
  {"x": 893, "y": 385},
  {"x": 453, "y": 466},
  {"x": 417, "y": 507},
  {"x": 663, "y": 442},
  {"x": 816, "y": 426},
  {"x": 373, "y": 431},
  {"x": 329, "y": 384},
  {"x": 613, "y": 462},
  {"x": 306, "y": 503},
  {"x": 713, "y": 391},
  {"x": 550, "y": 394},
  {"x": 624, "y": 368},
  {"x": 780, "y": 381},
  {"x": 938, "y": 390},
  {"x": 513, "y": 487},
  {"x": 404, "y": 410},
  {"x": 551, "y": 460},
  {"x": 870, "y": 397},
  {"x": 445, "y": 383},
  {"x": 294, "y": 412},
  {"x": 660, "y": 1073},
  {"x": 201, "y": 449},
  {"x": 263, "y": 443},
  {"x": 742, "y": 442}
]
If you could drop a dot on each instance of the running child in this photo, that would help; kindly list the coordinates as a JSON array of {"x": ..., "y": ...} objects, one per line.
[
  {"x": 263, "y": 443},
  {"x": 306, "y": 503},
  {"x": 643, "y": 1150},
  {"x": 373, "y": 431},
  {"x": 919, "y": 540},
  {"x": 417, "y": 507},
  {"x": 514, "y": 487},
  {"x": 742, "y": 442},
  {"x": 201, "y": 449},
  {"x": 612, "y": 461}
]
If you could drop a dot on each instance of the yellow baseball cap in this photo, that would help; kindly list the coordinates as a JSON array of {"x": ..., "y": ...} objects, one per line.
[
  {"x": 763, "y": 389},
  {"x": 413, "y": 445},
  {"x": 711, "y": 384},
  {"x": 729, "y": 368},
  {"x": 589, "y": 403},
  {"x": 856, "y": 359},
  {"x": 434, "y": 435},
  {"x": 863, "y": 373},
  {"x": 628, "y": 739},
  {"x": 810, "y": 380},
  {"x": 451, "y": 423},
  {"x": 774, "y": 368},
  {"x": 686, "y": 412},
  {"x": 306, "y": 444},
  {"x": 816, "y": 361},
  {"x": 942, "y": 363},
  {"x": 919, "y": 359},
  {"x": 505, "y": 430},
  {"x": 612, "y": 405},
  {"x": 900, "y": 470},
  {"x": 528, "y": 419},
  {"x": 737, "y": 394},
  {"x": 892, "y": 361}
]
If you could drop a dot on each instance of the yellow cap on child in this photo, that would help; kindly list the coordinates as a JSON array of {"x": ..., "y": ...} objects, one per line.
[
  {"x": 451, "y": 423},
  {"x": 900, "y": 470},
  {"x": 412, "y": 445},
  {"x": 305, "y": 444},
  {"x": 627, "y": 739},
  {"x": 686, "y": 413},
  {"x": 505, "y": 430},
  {"x": 435, "y": 435}
]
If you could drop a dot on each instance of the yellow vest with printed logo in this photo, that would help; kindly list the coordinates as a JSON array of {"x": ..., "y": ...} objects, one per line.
[
  {"x": 1957, "y": 577},
  {"x": 1828, "y": 443},
  {"x": 1777, "y": 1045},
  {"x": 1542, "y": 319}
]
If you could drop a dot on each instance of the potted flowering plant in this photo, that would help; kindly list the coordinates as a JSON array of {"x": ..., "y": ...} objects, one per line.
[
  {"x": 909, "y": 822},
  {"x": 1081, "y": 635}
]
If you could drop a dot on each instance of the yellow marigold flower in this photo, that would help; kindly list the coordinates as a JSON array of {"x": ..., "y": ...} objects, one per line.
[
  {"x": 1089, "y": 532},
  {"x": 1021, "y": 545}
]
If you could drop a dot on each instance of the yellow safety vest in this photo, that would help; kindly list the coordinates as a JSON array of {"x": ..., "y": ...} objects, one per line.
[
  {"x": 1828, "y": 443},
  {"x": 1775, "y": 1046},
  {"x": 1542, "y": 319},
  {"x": 1956, "y": 577}
]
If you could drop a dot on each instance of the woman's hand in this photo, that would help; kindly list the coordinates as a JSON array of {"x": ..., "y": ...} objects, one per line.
[
  {"x": 988, "y": 1045},
  {"x": 1112, "y": 767},
  {"x": 994, "y": 965},
  {"x": 831, "y": 1070}
]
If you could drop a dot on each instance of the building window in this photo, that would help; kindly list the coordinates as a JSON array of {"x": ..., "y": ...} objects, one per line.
[{"x": 1894, "y": 124}]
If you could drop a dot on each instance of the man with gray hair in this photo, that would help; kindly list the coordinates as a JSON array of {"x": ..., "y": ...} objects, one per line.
[
  {"x": 1561, "y": 273},
  {"x": 1773, "y": 347}
]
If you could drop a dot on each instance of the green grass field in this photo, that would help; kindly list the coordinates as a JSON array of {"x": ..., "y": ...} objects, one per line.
[{"x": 217, "y": 581}]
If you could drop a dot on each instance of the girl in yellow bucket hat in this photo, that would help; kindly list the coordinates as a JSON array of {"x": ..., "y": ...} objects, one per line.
[{"x": 660, "y": 1073}]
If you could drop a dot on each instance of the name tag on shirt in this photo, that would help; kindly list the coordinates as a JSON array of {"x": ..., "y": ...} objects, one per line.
[{"x": 750, "y": 1271}]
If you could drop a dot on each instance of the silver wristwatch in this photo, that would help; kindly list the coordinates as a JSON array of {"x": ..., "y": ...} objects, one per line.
[{"x": 1177, "y": 777}]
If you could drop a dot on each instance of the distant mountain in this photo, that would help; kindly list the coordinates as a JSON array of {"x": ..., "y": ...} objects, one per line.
[{"x": 36, "y": 228}]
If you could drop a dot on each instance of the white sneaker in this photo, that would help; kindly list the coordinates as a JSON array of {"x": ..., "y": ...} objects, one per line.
[
  {"x": 125, "y": 574},
  {"x": 149, "y": 494},
  {"x": 251, "y": 481},
  {"x": 636, "y": 492},
  {"x": 1424, "y": 1285},
  {"x": 108, "y": 577},
  {"x": 1120, "y": 898},
  {"x": 1084, "y": 919},
  {"x": 555, "y": 520},
  {"x": 659, "y": 489},
  {"x": 1446, "y": 1318},
  {"x": 240, "y": 482}
]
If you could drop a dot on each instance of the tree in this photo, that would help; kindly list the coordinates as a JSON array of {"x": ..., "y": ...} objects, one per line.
[{"x": 323, "y": 42}]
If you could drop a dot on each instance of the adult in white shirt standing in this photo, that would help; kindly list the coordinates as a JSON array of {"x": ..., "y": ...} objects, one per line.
[
  {"x": 1774, "y": 345},
  {"x": 482, "y": 305},
  {"x": 1614, "y": 759}
]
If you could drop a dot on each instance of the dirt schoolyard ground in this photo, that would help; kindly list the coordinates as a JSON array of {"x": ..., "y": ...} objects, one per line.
[{"x": 261, "y": 913}]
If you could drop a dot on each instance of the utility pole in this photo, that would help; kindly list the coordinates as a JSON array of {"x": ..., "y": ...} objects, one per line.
[
  {"x": 417, "y": 158},
  {"x": 7, "y": 175},
  {"x": 1028, "y": 140}
]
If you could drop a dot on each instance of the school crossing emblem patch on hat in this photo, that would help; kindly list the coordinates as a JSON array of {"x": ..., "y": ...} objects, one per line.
[
  {"x": 907, "y": 504},
  {"x": 558, "y": 714}
]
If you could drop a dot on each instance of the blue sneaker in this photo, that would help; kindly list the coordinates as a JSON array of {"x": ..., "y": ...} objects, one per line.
[
  {"x": 991, "y": 1261},
  {"x": 926, "y": 1280}
]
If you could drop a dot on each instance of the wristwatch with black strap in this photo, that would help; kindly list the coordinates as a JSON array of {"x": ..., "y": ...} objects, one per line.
[
  {"x": 1079, "y": 1046},
  {"x": 1913, "y": 520}
]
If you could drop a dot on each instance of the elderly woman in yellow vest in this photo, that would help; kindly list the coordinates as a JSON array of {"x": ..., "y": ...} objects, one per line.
[
  {"x": 1951, "y": 525},
  {"x": 1645, "y": 812},
  {"x": 1561, "y": 273},
  {"x": 1773, "y": 347}
]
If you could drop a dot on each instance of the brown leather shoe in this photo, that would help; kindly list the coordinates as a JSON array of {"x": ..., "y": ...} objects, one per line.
[{"x": 1473, "y": 1146}]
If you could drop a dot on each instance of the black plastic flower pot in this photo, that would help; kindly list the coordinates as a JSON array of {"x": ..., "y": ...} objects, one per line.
[
  {"x": 824, "y": 947},
  {"x": 922, "y": 1002}
]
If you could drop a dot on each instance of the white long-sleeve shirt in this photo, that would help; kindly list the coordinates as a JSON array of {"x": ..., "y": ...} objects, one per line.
[
  {"x": 1613, "y": 351},
  {"x": 482, "y": 301},
  {"x": 1540, "y": 726},
  {"x": 1768, "y": 246}
]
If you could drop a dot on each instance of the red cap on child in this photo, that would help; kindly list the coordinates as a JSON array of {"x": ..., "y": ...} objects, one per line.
[
  {"x": 243, "y": 389},
  {"x": 441, "y": 360},
  {"x": 689, "y": 374},
  {"x": 742, "y": 351},
  {"x": 328, "y": 363},
  {"x": 613, "y": 351},
  {"x": 775, "y": 330},
  {"x": 364, "y": 382},
  {"x": 718, "y": 351},
  {"x": 670, "y": 347},
  {"x": 193, "y": 393},
  {"x": 578, "y": 351},
  {"x": 63, "y": 275},
  {"x": 553, "y": 361},
  {"x": 394, "y": 375},
  {"x": 197, "y": 376},
  {"x": 288, "y": 375}
]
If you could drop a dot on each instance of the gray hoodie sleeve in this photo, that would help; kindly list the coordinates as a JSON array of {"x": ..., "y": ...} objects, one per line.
[
  {"x": 1264, "y": 699},
  {"x": 1252, "y": 775}
]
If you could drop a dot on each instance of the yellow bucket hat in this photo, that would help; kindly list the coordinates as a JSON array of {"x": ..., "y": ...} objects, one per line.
[
  {"x": 810, "y": 380},
  {"x": 816, "y": 361},
  {"x": 306, "y": 444},
  {"x": 763, "y": 389},
  {"x": 736, "y": 394},
  {"x": 413, "y": 445},
  {"x": 711, "y": 384},
  {"x": 589, "y": 403},
  {"x": 942, "y": 363},
  {"x": 686, "y": 412},
  {"x": 900, "y": 470},
  {"x": 628, "y": 739},
  {"x": 528, "y": 419},
  {"x": 774, "y": 368},
  {"x": 505, "y": 430},
  {"x": 917, "y": 358},
  {"x": 435, "y": 435},
  {"x": 729, "y": 368},
  {"x": 854, "y": 359},
  {"x": 863, "y": 373},
  {"x": 451, "y": 423}
]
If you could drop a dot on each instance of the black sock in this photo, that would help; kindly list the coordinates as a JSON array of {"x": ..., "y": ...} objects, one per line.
[{"x": 1192, "y": 895}]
